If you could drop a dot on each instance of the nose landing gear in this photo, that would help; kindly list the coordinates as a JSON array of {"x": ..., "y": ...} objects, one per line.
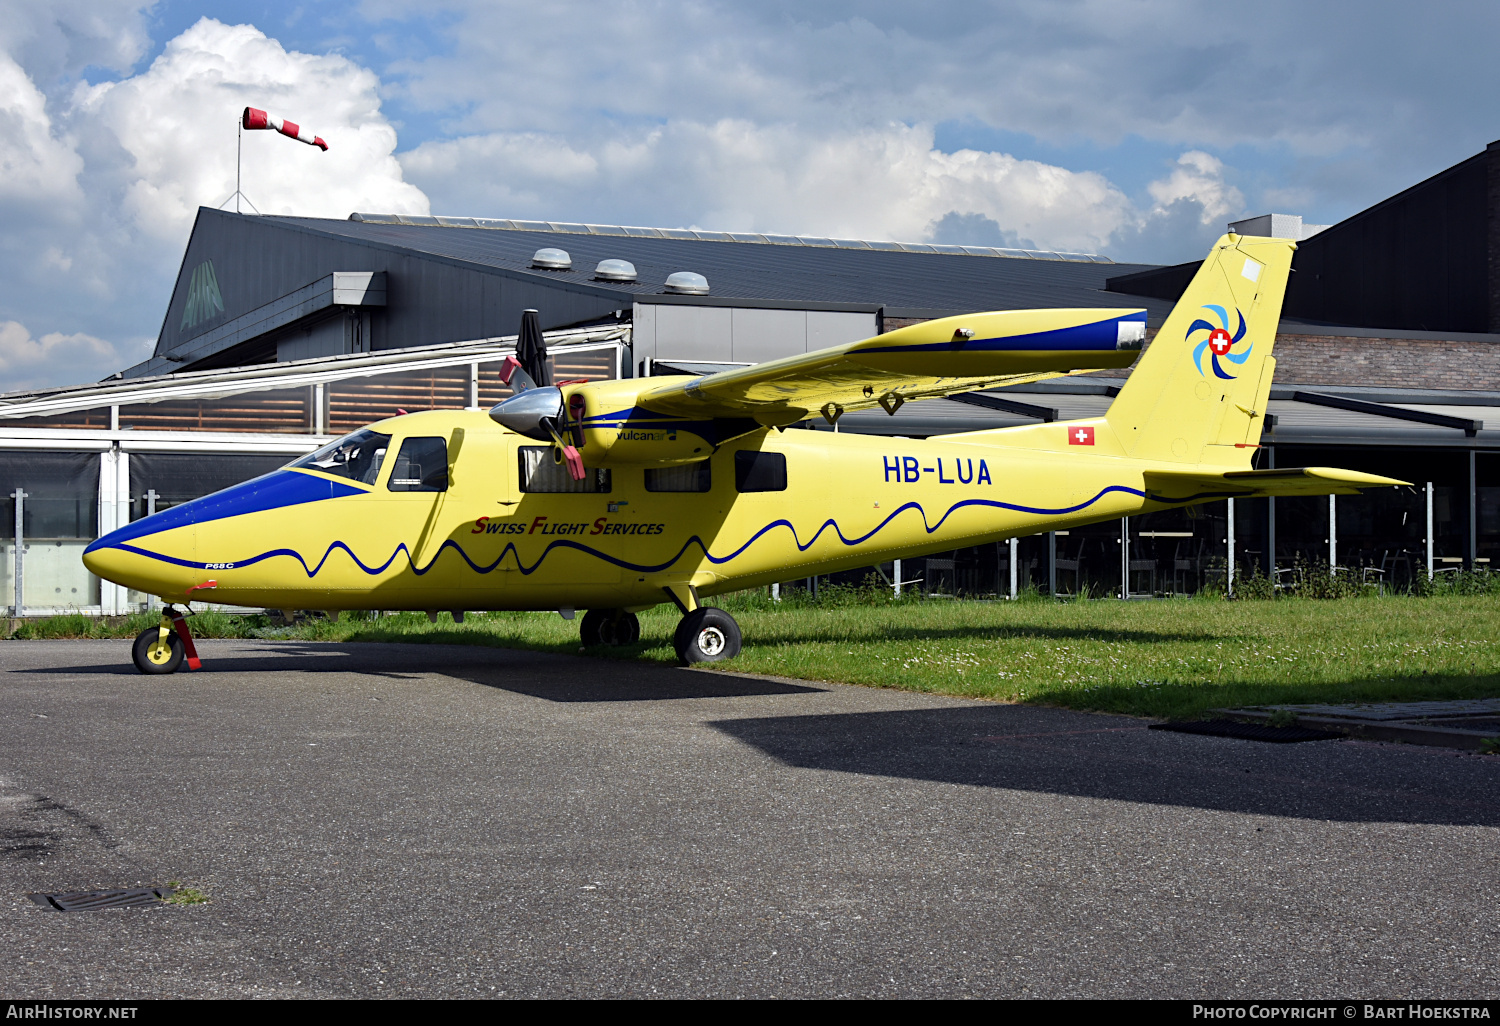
[
  {"x": 161, "y": 649},
  {"x": 706, "y": 635}
]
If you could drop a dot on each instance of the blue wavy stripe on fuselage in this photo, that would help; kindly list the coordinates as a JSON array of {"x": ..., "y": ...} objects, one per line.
[
  {"x": 510, "y": 548},
  {"x": 1099, "y": 335},
  {"x": 275, "y": 490}
]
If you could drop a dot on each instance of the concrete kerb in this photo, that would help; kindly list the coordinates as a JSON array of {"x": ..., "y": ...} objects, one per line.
[{"x": 1463, "y": 725}]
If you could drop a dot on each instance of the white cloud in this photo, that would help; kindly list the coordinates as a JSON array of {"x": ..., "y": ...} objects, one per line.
[
  {"x": 736, "y": 175},
  {"x": 99, "y": 184},
  {"x": 1199, "y": 178},
  {"x": 176, "y": 122},
  {"x": 1191, "y": 207},
  {"x": 54, "y": 39},
  {"x": 35, "y": 165},
  {"x": 59, "y": 359}
]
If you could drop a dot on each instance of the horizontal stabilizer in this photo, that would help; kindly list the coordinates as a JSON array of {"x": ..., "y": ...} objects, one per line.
[
  {"x": 921, "y": 361},
  {"x": 1204, "y": 486}
]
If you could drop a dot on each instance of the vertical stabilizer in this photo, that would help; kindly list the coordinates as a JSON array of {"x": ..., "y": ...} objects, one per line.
[{"x": 1198, "y": 394}]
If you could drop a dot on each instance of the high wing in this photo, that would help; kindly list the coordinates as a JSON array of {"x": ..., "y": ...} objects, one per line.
[
  {"x": 923, "y": 361},
  {"x": 1185, "y": 485}
]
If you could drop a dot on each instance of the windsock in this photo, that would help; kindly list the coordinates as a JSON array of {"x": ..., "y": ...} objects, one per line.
[{"x": 254, "y": 119}]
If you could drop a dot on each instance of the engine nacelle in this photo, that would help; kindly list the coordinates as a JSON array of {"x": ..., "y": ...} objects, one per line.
[{"x": 603, "y": 422}]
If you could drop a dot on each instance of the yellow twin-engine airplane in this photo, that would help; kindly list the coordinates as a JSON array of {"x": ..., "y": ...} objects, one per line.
[{"x": 615, "y": 496}]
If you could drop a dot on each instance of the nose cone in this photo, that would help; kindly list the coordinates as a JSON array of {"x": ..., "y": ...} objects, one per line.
[
  {"x": 524, "y": 412},
  {"x": 163, "y": 568}
]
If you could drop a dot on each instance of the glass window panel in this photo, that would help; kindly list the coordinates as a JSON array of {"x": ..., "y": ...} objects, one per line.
[
  {"x": 693, "y": 477},
  {"x": 60, "y": 519},
  {"x": 593, "y": 365},
  {"x": 356, "y": 456},
  {"x": 1169, "y": 552},
  {"x": 355, "y": 402},
  {"x": 278, "y": 411},
  {"x": 760, "y": 471},
  {"x": 62, "y": 494},
  {"x": 95, "y": 419},
  {"x": 421, "y": 466},
  {"x": 177, "y": 477},
  {"x": 540, "y": 474}
]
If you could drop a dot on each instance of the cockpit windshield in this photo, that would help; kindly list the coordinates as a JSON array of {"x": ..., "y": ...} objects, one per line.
[{"x": 357, "y": 456}]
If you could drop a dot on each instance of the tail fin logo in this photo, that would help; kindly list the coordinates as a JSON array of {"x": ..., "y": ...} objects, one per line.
[{"x": 1219, "y": 342}]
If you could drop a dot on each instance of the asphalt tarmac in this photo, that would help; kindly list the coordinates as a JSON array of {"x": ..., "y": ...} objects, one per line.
[{"x": 414, "y": 820}]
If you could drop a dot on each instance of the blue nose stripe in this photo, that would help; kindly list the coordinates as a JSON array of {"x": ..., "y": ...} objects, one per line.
[{"x": 269, "y": 491}]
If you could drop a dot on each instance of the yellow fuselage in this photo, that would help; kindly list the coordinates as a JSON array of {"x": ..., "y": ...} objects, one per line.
[{"x": 850, "y": 501}]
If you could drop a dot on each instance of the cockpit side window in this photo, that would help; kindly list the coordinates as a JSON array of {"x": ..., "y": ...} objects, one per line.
[
  {"x": 421, "y": 466},
  {"x": 357, "y": 456}
]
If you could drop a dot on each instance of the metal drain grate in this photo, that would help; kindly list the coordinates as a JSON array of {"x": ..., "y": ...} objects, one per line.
[
  {"x": 1249, "y": 731},
  {"x": 87, "y": 901}
]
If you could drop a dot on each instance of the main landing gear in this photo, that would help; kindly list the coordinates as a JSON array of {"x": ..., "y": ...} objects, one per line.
[
  {"x": 161, "y": 649},
  {"x": 706, "y": 635},
  {"x": 609, "y": 627}
]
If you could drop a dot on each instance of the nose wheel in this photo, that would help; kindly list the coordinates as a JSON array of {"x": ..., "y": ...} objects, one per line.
[
  {"x": 707, "y": 635},
  {"x": 609, "y": 627},
  {"x": 161, "y": 649}
]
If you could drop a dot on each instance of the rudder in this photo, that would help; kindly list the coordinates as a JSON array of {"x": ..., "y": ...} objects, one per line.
[{"x": 1198, "y": 394}]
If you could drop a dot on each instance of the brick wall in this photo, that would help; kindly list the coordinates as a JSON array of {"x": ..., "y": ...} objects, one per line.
[
  {"x": 1388, "y": 362},
  {"x": 1336, "y": 360},
  {"x": 892, "y": 323}
]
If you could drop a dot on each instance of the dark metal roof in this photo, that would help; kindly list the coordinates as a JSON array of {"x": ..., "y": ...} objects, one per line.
[
  {"x": 1426, "y": 259},
  {"x": 929, "y": 282},
  {"x": 570, "y": 228}
]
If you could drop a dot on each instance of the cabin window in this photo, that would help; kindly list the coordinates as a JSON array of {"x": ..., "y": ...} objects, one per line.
[
  {"x": 421, "y": 466},
  {"x": 760, "y": 471},
  {"x": 693, "y": 477},
  {"x": 357, "y": 456},
  {"x": 540, "y": 474}
]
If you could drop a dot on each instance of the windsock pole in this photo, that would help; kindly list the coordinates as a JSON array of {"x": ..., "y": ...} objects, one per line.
[
  {"x": 239, "y": 150},
  {"x": 255, "y": 119}
]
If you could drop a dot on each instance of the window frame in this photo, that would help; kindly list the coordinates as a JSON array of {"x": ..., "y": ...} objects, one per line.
[
  {"x": 601, "y": 475},
  {"x": 421, "y": 488},
  {"x": 705, "y": 477},
  {"x": 744, "y": 466}
]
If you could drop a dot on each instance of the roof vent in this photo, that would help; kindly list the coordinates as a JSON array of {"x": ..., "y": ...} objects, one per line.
[
  {"x": 615, "y": 270},
  {"x": 687, "y": 283},
  {"x": 552, "y": 259}
]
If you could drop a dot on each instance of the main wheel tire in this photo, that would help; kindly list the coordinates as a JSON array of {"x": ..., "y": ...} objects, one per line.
[
  {"x": 621, "y": 629},
  {"x": 150, "y": 657},
  {"x": 591, "y": 630},
  {"x": 707, "y": 635},
  {"x": 609, "y": 627}
]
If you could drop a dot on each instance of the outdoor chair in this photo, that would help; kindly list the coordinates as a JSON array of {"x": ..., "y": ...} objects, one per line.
[
  {"x": 1142, "y": 566},
  {"x": 1068, "y": 566},
  {"x": 933, "y": 581}
]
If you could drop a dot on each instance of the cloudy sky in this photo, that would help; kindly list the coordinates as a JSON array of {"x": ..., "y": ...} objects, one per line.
[{"x": 1135, "y": 128}]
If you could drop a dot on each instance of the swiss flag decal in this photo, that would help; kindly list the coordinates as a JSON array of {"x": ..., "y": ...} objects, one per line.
[{"x": 1081, "y": 436}]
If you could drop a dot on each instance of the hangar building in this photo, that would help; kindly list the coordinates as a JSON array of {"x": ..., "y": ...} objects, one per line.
[{"x": 282, "y": 332}]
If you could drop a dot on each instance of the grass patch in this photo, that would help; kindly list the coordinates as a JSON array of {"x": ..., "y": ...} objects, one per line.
[
  {"x": 1173, "y": 658},
  {"x": 182, "y": 895}
]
